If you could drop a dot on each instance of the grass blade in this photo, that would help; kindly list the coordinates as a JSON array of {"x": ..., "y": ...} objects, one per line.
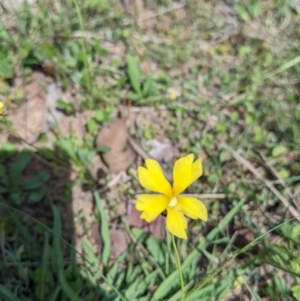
[
  {"x": 282, "y": 68},
  {"x": 167, "y": 284},
  {"x": 133, "y": 73},
  {"x": 104, "y": 229},
  {"x": 9, "y": 296},
  {"x": 66, "y": 288},
  {"x": 57, "y": 259}
]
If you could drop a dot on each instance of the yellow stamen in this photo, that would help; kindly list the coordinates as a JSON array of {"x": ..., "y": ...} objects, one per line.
[{"x": 173, "y": 202}]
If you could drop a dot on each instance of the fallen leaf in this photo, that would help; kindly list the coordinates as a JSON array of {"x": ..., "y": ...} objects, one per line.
[
  {"x": 115, "y": 137},
  {"x": 119, "y": 161}
]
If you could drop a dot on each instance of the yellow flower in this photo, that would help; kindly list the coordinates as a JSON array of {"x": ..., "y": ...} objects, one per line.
[
  {"x": 1, "y": 107},
  {"x": 185, "y": 172},
  {"x": 173, "y": 95}
]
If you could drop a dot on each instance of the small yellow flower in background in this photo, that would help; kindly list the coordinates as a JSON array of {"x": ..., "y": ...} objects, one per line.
[
  {"x": 185, "y": 172},
  {"x": 1, "y": 107},
  {"x": 173, "y": 94}
]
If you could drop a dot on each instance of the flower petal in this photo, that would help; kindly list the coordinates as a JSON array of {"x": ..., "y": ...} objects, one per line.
[
  {"x": 152, "y": 178},
  {"x": 152, "y": 205},
  {"x": 185, "y": 172},
  {"x": 192, "y": 207},
  {"x": 176, "y": 223}
]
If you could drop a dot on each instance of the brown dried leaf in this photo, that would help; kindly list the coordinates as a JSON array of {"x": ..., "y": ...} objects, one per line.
[
  {"x": 119, "y": 161},
  {"x": 115, "y": 137}
]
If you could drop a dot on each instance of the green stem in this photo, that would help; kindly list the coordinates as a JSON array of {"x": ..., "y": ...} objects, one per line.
[
  {"x": 85, "y": 59},
  {"x": 179, "y": 268}
]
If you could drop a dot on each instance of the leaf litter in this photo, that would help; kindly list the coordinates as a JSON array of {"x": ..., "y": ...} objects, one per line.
[{"x": 115, "y": 136}]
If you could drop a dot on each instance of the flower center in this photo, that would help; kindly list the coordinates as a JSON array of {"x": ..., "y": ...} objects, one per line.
[{"x": 173, "y": 202}]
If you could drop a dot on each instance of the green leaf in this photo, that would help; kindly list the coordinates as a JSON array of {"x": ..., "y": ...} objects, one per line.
[
  {"x": 254, "y": 8},
  {"x": 242, "y": 12},
  {"x": 3, "y": 189},
  {"x": 296, "y": 291},
  {"x": 16, "y": 197},
  {"x": 104, "y": 229},
  {"x": 7, "y": 294},
  {"x": 259, "y": 135},
  {"x": 41, "y": 290},
  {"x": 24, "y": 231},
  {"x": 57, "y": 259},
  {"x": 91, "y": 125},
  {"x": 155, "y": 247},
  {"x": 103, "y": 149},
  {"x": 19, "y": 252},
  {"x": 85, "y": 156},
  {"x": 54, "y": 293},
  {"x": 6, "y": 69},
  {"x": 4, "y": 177},
  {"x": 67, "y": 107},
  {"x": 46, "y": 252},
  {"x": 165, "y": 287},
  {"x": 16, "y": 169},
  {"x": 279, "y": 150},
  {"x": 37, "y": 181},
  {"x": 43, "y": 275},
  {"x": 68, "y": 147},
  {"x": 112, "y": 272},
  {"x": 4, "y": 35},
  {"x": 133, "y": 96},
  {"x": 91, "y": 261},
  {"x": 48, "y": 50},
  {"x": 7, "y": 150},
  {"x": 66, "y": 288},
  {"x": 100, "y": 115},
  {"x": 133, "y": 73},
  {"x": 23, "y": 160},
  {"x": 3, "y": 171},
  {"x": 284, "y": 174},
  {"x": 36, "y": 196},
  {"x": 147, "y": 281},
  {"x": 147, "y": 87}
]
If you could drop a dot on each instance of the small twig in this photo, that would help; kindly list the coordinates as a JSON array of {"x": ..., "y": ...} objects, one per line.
[
  {"x": 87, "y": 35},
  {"x": 137, "y": 148},
  {"x": 134, "y": 109},
  {"x": 166, "y": 11},
  {"x": 249, "y": 166},
  {"x": 277, "y": 176},
  {"x": 206, "y": 195},
  {"x": 138, "y": 51},
  {"x": 121, "y": 177}
]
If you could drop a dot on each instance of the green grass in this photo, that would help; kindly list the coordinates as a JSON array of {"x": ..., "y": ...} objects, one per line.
[{"x": 236, "y": 70}]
